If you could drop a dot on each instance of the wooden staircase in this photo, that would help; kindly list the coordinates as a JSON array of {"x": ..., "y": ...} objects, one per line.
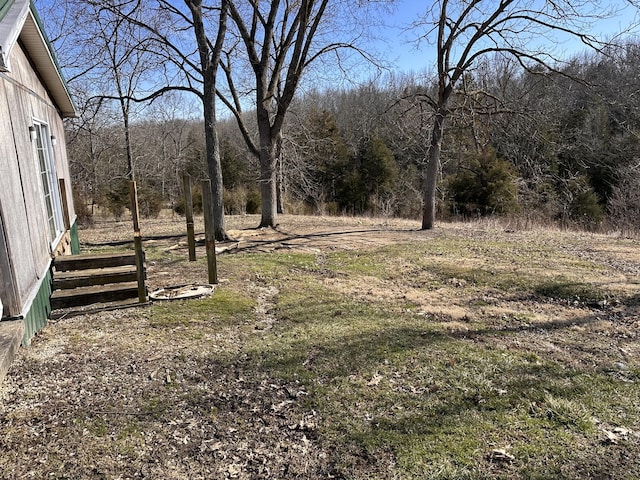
[{"x": 81, "y": 280}]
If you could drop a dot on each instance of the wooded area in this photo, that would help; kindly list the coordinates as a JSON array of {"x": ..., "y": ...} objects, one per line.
[{"x": 526, "y": 133}]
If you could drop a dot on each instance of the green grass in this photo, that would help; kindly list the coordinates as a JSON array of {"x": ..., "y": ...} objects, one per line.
[
  {"x": 224, "y": 307},
  {"x": 390, "y": 383},
  {"x": 562, "y": 288}
]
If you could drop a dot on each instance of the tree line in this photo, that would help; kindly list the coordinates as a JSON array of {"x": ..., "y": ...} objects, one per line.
[
  {"x": 498, "y": 125},
  {"x": 551, "y": 149}
]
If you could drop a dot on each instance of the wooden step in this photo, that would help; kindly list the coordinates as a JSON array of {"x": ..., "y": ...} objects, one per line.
[
  {"x": 95, "y": 276},
  {"x": 80, "y": 296},
  {"x": 95, "y": 307},
  {"x": 65, "y": 263},
  {"x": 11, "y": 334}
]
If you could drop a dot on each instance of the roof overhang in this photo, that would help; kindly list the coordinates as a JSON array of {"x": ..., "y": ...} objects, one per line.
[
  {"x": 22, "y": 22},
  {"x": 14, "y": 13}
]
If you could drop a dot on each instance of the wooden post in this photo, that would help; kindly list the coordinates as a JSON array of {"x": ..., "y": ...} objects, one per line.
[
  {"x": 137, "y": 242},
  {"x": 188, "y": 213},
  {"x": 209, "y": 231},
  {"x": 65, "y": 204}
]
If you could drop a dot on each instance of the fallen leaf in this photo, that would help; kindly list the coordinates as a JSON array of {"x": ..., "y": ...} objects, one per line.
[
  {"x": 280, "y": 406},
  {"x": 234, "y": 470},
  {"x": 500, "y": 455},
  {"x": 615, "y": 435}
]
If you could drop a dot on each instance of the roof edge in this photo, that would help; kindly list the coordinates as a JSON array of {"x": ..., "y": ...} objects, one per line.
[
  {"x": 13, "y": 16},
  {"x": 21, "y": 21},
  {"x": 68, "y": 110}
]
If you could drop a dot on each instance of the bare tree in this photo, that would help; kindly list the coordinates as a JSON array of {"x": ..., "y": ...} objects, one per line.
[
  {"x": 278, "y": 40},
  {"x": 148, "y": 48},
  {"x": 465, "y": 31},
  {"x": 91, "y": 144},
  {"x": 209, "y": 52},
  {"x": 120, "y": 62},
  {"x": 196, "y": 72}
]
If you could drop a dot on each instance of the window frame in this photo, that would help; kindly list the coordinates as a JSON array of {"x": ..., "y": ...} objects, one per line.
[{"x": 52, "y": 200}]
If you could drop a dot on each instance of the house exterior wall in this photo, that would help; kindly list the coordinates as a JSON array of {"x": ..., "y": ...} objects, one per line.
[{"x": 25, "y": 247}]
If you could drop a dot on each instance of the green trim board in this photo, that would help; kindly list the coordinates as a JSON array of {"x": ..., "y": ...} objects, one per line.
[
  {"x": 5, "y": 5},
  {"x": 36, "y": 317}
]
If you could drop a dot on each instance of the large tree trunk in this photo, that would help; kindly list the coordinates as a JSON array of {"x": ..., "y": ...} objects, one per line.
[
  {"x": 213, "y": 159},
  {"x": 280, "y": 187},
  {"x": 209, "y": 67},
  {"x": 215, "y": 175},
  {"x": 268, "y": 190},
  {"x": 268, "y": 162},
  {"x": 431, "y": 177}
]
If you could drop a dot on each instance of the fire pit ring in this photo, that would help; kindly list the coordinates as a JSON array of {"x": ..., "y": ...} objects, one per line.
[{"x": 182, "y": 292}]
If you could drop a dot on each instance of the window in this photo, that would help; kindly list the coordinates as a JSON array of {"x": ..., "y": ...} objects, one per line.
[{"x": 49, "y": 181}]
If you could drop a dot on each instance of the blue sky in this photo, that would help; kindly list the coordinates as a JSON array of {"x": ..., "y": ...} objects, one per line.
[
  {"x": 400, "y": 45},
  {"x": 397, "y": 42}
]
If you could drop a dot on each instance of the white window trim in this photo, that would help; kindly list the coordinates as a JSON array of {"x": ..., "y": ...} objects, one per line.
[{"x": 44, "y": 134}]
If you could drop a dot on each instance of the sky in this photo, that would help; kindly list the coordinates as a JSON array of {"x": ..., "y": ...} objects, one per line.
[
  {"x": 402, "y": 49},
  {"x": 397, "y": 41},
  {"x": 397, "y": 44}
]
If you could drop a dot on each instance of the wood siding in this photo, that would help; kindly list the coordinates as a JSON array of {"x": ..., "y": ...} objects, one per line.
[{"x": 24, "y": 99}]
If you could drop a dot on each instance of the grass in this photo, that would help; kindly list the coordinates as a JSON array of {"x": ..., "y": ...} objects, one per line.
[
  {"x": 390, "y": 383},
  {"x": 227, "y": 307},
  {"x": 416, "y": 360}
]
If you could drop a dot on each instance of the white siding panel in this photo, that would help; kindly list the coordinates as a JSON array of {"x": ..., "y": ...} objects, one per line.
[
  {"x": 62, "y": 165},
  {"x": 45, "y": 111},
  {"x": 16, "y": 225},
  {"x": 23, "y": 72},
  {"x": 25, "y": 216}
]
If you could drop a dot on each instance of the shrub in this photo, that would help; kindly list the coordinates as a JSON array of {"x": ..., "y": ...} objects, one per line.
[
  {"x": 581, "y": 206},
  {"x": 149, "y": 201},
  {"x": 81, "y": 206},
  {"x": 235, "y": 201},
  {"x": 485, "y": 185},
  {"x": 586, "y": 210},
  {"x": 624, "y": 203},
  {"x": 254, "y": 202},
  {"x": 116, "y": 198},
  {"x": 196, "y": 198},
  {"x": 367, "y": 184}
]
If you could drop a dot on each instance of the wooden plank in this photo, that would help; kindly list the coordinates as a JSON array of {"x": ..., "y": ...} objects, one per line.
[
  {"x": 137, "y": 240},
  {"x": 96, "y": 276},
  {"x": 95, "y": 294},
  {"x": 64, "y": 245},
  {"x": 209, "y": 232},
  {"x": 65, "y": 203},
  {"x": 188, "y": 213},
  {"x": 95, "y": 307},
  {"x": 87, "y": 261},
  {"x": 10, "y": 337}
]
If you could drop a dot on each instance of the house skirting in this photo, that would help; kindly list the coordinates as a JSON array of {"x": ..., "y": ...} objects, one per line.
[{"x": 36, "y": 315}]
